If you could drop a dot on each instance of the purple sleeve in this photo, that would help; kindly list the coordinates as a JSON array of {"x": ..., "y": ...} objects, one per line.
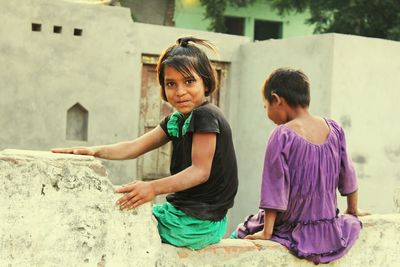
[
  {"x": 275, "y": 184},
  {"x": 347, "y": 177}
]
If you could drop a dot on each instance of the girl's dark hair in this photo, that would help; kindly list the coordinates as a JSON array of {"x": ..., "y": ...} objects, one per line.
[
  {"x": 186, "y": 57},
  {"x": 292, "y": 85}
]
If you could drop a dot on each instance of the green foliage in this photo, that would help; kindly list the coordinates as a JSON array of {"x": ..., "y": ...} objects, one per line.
[{"x": 371, "y": 18}]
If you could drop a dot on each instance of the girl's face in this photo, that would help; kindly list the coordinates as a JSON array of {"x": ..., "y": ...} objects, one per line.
[{"x": 183, "y": 93}]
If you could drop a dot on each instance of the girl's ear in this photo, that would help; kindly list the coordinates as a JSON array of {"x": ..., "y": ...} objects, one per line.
[{"x": 276, "y": 99}]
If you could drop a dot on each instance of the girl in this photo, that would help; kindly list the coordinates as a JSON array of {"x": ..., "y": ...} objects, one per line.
[
  {"x": 203, "y": 181},
  {"x": 305, "y": 162}
]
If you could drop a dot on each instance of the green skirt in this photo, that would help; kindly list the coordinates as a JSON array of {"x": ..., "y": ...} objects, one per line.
[{"x": 181, "y": 230}]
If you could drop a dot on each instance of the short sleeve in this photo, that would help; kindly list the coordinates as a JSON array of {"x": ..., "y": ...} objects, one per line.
[
  {"x": 203, "y": 120},
  {"x": 275, "y": 186},
  {"x": 347, "y": 176},
  {"x": 163, "y": 125}
]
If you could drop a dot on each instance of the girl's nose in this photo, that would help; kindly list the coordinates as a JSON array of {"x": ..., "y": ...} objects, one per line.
[{"x": 180, "y": 91}]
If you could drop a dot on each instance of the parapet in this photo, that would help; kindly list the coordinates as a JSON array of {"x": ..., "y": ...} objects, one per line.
[{"x": 59, "y": 210}]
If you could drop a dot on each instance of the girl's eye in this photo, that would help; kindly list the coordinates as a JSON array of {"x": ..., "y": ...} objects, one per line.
[
  {"x": 170, "y": 84},
  {"x": 190, "y": 81}
]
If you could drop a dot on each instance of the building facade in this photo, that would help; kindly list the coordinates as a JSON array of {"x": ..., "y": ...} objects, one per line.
[{"x": 257, "y": 21}]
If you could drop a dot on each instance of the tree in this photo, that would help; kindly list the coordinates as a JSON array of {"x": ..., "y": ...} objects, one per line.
[{"x": 371, "y": 18}]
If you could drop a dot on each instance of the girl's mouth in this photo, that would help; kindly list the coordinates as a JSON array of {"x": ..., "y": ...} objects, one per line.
[{"x": 183, "y": 102}]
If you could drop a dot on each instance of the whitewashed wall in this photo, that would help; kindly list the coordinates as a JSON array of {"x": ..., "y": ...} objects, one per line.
[
  {"x": 365, "y": 99},
  {"x": 43, "y": 74}
]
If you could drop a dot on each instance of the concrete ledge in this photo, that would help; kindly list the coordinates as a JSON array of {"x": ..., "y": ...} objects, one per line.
[
  {"x": 58, "y": 210},
  {"x": 378, "y": 245}
]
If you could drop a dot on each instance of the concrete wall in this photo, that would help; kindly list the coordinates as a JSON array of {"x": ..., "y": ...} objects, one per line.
[
  {"x": 44, "y": 74},
  {"x": 59, "y": 210},
  {"x": 365, "y": 100}
]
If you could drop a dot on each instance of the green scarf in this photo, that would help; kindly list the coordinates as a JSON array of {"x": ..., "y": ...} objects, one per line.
[{"x": 173, "y": 124}]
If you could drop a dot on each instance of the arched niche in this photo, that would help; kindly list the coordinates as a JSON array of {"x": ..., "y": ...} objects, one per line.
[{"x": 77, "y": 123}]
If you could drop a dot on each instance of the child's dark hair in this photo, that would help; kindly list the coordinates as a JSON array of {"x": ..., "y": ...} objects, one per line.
[
  {"x": 186, "y": 58},
  {"x": 292, "y": 85}
]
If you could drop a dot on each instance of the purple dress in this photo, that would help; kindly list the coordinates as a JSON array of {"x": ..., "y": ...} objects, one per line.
[{"x": 300, "y": 181}]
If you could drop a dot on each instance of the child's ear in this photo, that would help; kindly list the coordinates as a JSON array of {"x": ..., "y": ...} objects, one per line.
[{"x": 276, "y": 99}]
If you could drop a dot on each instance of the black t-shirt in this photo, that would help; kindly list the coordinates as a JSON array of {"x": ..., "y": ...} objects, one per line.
[{"x": 212, "y": 199}]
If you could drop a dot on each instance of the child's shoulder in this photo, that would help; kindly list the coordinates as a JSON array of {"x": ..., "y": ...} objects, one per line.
[
  {"x": 208, "y": 109},
  {"x": 280, "y": 133},
  {"x": 335, "y": 126}
]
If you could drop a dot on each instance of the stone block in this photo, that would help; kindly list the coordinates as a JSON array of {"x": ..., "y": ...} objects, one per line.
[{"x": 58, "y": 210}]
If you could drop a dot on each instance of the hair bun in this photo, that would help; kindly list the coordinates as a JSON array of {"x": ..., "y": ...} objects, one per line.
[{"x": 184, "y": 41}]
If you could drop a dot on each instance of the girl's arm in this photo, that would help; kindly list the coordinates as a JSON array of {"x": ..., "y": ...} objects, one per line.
[
  {"x": 352, "y": 205},
  {"x": 124, "y": 150},
  {"x": 269, "y": 221},
  {"x": 203, "y": 149}
]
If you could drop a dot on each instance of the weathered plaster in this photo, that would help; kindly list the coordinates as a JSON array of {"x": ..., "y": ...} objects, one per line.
[{"x": 59, "y": 209}]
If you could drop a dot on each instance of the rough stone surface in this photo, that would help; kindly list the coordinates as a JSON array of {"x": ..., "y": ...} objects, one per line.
[{"x": 58, "y": 210}]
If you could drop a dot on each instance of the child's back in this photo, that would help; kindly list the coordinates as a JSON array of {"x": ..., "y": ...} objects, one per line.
[
  {"x": 314, "y": 129},
  {"x": 306, "y": 194}
]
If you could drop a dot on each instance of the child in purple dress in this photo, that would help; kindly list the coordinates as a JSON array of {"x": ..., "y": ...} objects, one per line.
[{"x": 305, "y": 162}]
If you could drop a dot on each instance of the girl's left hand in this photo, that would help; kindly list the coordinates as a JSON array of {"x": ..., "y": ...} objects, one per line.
[
  {"x": 259, "y": 235},
  {"x": 137, "y": 193}
]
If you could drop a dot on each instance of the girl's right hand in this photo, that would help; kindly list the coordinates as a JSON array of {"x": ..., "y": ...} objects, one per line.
[
  {"x": 75, "y": 150},
  {"x": 136, "y": 194}
]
